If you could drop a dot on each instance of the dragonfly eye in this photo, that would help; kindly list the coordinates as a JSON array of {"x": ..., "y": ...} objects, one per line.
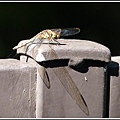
[{"x": 55, "y": 36}]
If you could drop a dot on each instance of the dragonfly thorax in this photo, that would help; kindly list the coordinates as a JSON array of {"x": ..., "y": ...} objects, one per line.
[{"x": 48, "y": 34}]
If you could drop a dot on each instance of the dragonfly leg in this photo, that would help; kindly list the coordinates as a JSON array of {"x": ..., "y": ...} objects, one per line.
[
  {"x": 27, "y": 50},
  {"x": 31, "y": 44},
  {"x": 54, "y": 40},
  {"x": 57, "y": 42}
]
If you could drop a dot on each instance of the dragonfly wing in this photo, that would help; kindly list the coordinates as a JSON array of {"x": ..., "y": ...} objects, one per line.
[
  {"x": 69, "y": 31},
  {"x": 71, "y": 88},
  {"x": 44, "y": 76},
  {"x": 69, "y": 85},
  {"x": 41, "y": 70},
  {"x": 56, "y": 30}
]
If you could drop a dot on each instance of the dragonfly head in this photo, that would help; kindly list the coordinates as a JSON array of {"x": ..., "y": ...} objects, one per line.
[{"x": 55, "y": 35}]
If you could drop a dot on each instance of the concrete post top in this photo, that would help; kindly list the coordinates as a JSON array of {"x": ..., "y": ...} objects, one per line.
[
  {"x": 6, "y": 64},
  {"x": 68, "y": 49}
]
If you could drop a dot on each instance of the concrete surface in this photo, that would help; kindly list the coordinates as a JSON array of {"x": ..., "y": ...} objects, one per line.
[
  {"x": 17, "y": 89},
  {"x": 54, "y": 97},
  {"x": 70, "y": 49},
  {"x": 115, "y": 88}
]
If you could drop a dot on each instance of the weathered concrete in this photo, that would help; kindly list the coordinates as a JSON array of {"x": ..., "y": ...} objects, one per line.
[
  {"x": 115, "y": 88},
  {"x": 17, "y": 89},
  {"x": 88, "y": 75},
  {"x": 69, "y": 49}
]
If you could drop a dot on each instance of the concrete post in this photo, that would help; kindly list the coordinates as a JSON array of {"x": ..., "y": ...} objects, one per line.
[
  {"x": 17, "y": 89},
  {"x": 74, "y": 65},
  {"x": 114, "y": 73}
]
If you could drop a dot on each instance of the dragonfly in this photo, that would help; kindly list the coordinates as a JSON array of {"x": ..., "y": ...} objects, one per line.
[{"x": 52, "y": 35}]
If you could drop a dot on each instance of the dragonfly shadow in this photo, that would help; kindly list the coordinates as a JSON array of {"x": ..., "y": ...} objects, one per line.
[
  {"x": 65, "y": 79},
  {"x": 82, "y": 67},
  {"x": 46, "y": 64},
  {"x": 55, "y": 43},
  {"x": 51, "y": 43}
]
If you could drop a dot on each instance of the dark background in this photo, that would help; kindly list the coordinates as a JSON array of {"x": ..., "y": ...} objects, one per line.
[{"x": 98, "y": 21}]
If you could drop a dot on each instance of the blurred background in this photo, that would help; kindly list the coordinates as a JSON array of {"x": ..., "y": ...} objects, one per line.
[{"x": 99, "y": 22}]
